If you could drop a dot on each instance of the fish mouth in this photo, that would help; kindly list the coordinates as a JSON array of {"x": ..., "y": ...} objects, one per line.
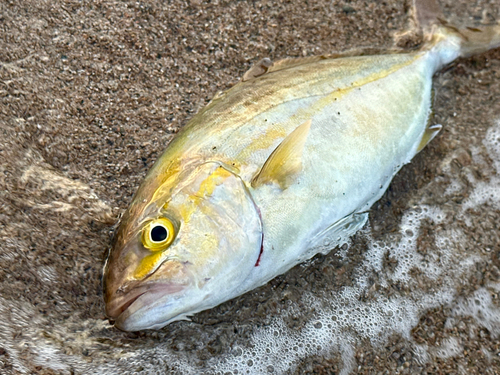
[{"x": 139, "y": 297}]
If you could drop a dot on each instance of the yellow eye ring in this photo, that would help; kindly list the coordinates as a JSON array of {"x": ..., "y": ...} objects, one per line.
[{"x": 158, "y": 234}]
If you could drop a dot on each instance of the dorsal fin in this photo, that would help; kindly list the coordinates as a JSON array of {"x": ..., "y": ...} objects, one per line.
[
  {"x": 266, "y": 66},
  {"x": 285, "y": 162},
  {"x": 258, "y": 69},
  {"x": 293, "y": 62}
]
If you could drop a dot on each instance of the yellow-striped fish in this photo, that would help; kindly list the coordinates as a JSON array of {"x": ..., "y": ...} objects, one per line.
[{"x": 260, "y": 179}]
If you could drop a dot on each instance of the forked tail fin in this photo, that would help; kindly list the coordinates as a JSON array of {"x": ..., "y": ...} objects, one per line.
[
  {"x": 469, "y": 40},
  {"x": 480, "y": 40}
]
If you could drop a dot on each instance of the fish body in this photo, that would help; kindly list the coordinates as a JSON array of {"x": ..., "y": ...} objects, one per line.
[{"x": 278, "y": 168}]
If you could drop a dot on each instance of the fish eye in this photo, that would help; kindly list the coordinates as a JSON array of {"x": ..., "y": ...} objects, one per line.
[{"x": 158, "y": 234}]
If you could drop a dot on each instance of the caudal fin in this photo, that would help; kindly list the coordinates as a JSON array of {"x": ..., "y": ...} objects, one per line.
[
  {"x": 479, "y": 40},
  {"x": 472, "y": 40}
]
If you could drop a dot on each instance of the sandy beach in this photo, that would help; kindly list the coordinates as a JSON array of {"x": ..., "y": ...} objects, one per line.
[{"x": 91, "y": 93}]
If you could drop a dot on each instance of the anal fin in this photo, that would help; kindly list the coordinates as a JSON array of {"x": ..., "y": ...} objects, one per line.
[{"x": 429, "y": 135}]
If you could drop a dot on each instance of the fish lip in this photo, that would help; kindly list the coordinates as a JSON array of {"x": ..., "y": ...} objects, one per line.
[
  {"x": 119, "y": 303},
  {"x": 117, "y": 306}
]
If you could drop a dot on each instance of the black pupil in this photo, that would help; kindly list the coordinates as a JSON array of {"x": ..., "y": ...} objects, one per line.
[{"x": 159, "y": 233}]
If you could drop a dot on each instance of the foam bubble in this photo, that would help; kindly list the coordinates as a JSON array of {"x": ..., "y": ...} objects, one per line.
[
  {"x": 343, "y": 319},
  {"x": 487, "y": 192},
  {"x": 481, "y": 307},
  {"x": 449, "y": 348},
  {"x": 454, "y": 187}
]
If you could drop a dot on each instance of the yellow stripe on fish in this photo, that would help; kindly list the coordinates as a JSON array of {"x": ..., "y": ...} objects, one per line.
[{"x": 205, "y": 191}]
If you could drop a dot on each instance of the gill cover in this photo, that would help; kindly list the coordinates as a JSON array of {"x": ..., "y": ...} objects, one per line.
[{"x": 220, "y": 226}]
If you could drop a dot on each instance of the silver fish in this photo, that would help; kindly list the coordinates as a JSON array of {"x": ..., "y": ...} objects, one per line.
[{"x": 286, "y": 160}]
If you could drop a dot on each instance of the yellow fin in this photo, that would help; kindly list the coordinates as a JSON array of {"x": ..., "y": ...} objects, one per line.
[
  {"x": 285, "y": 162},
  {"x": 429, "y": 135}
]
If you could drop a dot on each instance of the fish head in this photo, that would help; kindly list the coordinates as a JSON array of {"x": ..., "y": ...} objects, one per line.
[{"x": 183, "y": 252}]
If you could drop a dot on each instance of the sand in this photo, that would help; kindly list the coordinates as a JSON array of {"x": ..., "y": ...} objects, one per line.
[{"x": 90, "y": 95}]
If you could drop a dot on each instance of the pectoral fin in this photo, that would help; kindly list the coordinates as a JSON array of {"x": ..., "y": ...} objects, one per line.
[
  {"x": 285, "y": 162},
  {"x": 429, "y": 135}
]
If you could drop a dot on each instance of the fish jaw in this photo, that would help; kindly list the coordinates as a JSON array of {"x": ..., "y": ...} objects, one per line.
[
  {"x": 140, "y": 297},
  {"x": 137, "y": 316}
]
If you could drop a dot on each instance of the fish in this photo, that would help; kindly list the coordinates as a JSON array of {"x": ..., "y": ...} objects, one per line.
[{"x": 282, "y": 166}]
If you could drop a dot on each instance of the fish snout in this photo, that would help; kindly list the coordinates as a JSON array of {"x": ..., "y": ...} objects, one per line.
[{"x": 127, "y": 296}]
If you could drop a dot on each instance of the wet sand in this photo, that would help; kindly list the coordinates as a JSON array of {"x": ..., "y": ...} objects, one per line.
[{"x": 90, "y": 95}]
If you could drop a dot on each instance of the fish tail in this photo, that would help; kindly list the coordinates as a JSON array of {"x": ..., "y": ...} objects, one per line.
[
  {"x": 452, "y": 42},
  {"x": 479, "y": 40}
]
